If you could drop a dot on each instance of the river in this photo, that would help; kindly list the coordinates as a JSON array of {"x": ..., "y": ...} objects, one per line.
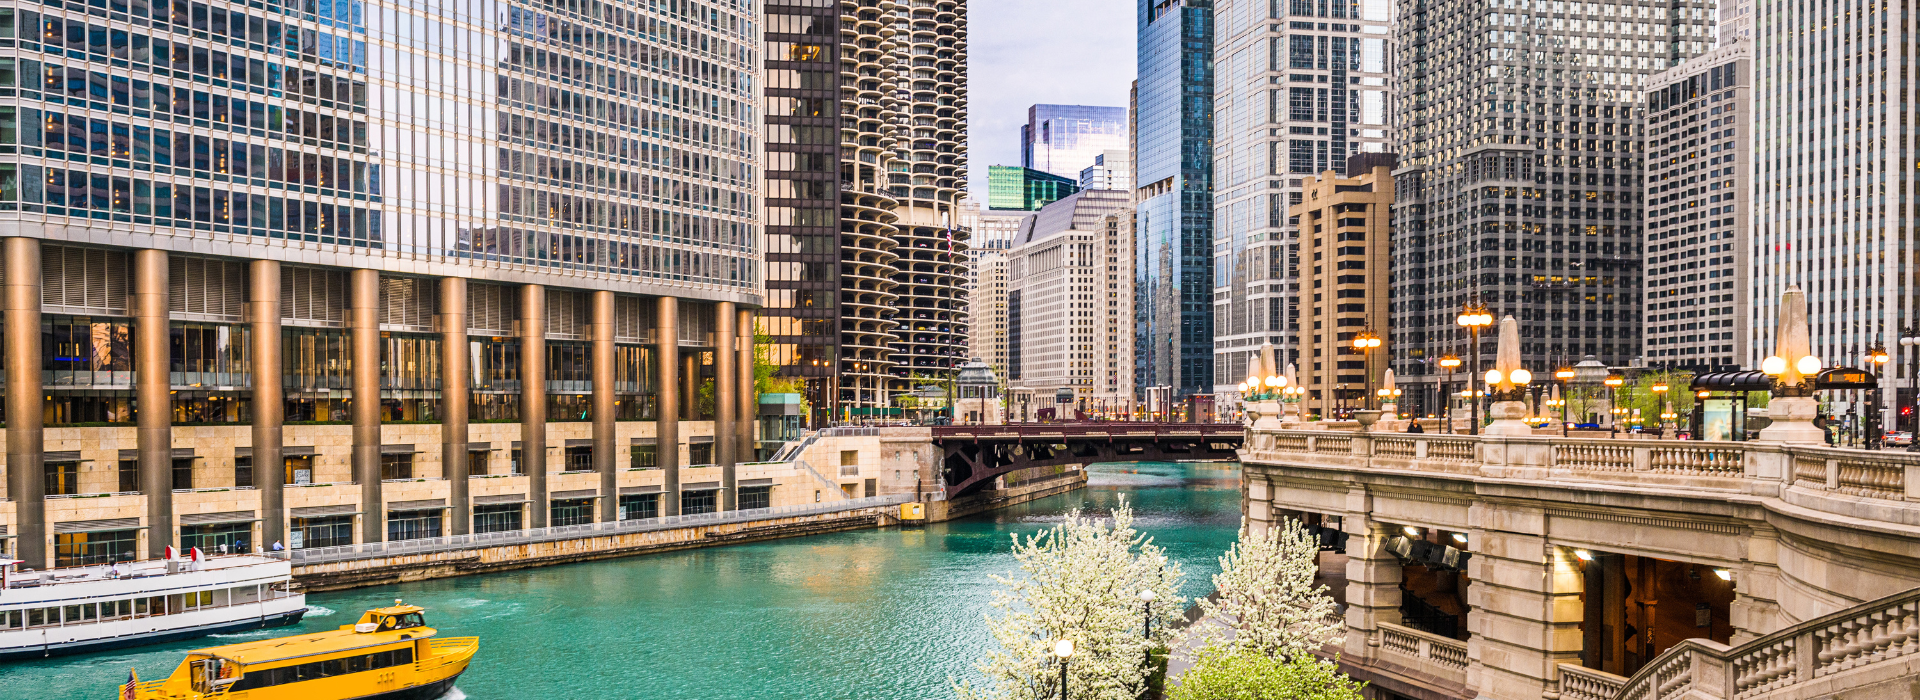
[{"x": 887, "y": 614}]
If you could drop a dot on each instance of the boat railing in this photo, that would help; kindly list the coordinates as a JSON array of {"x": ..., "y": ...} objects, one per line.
[
  {"x": 430, "y": 545},
  {"x": 140, "y": 568}
]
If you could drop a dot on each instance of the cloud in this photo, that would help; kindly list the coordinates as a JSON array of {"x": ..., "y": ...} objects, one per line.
[{"x": 1026, "y": 52}]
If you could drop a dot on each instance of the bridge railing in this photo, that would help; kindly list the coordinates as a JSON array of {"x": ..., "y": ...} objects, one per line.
[{"x": 1835, "y": 480}]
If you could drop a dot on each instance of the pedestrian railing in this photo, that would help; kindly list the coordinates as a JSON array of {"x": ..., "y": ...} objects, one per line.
[{"x": 430, "y": 545}]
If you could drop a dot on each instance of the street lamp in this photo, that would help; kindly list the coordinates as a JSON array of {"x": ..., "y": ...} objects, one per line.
[
  {"x": 1147, "y": 597},
  {"x": 1660, "y": 394},
  {"x": 1473, "y": 317},
  {"x": 1613, "y": 383},
  {"x": 1878, "y": 356},
  {"x": 1064, "y": 650},
  {"x": 1565, "y": 375},
  {"x": 1910, "y": 339},
  {"x": 1450, "y": 363},
  {"x": 1365, "y": 342}
]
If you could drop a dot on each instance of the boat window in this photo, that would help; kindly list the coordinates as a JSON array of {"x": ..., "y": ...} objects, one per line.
[
  {"x": 261, "y": 678},
  {"x": 140, "y": 607},
  {"x": 37, "y": 617},
  {"x": 11, "y": 619}
]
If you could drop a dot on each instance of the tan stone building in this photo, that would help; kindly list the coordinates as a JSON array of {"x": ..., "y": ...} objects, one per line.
[{"x": 1344, "y": 249}]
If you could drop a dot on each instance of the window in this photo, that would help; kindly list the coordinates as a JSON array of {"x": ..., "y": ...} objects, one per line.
[
  {"x": 646, "y": 457},
  {"x": 242, "y": 472},
  {"x": 210, "y": 538},
  {"x": 397, "y": 465},
  {"x": 696, "y": 502},
  {"x": 640, "y": 506},
  {"x": 87, "y": 548},
  {"x": 700, "y": 453},
  {"x": 63, "y": 478},
  {"x": 413, "y": 524},
  {"x": 477, "y": 461},
  {"x": 504, "y": 517},
  {"x": 579, "y": 459},
  {"x": 577, "y": 511},
  {"x": 183, "y": 473},
  {"x": 752, "y": 497},
  {"x": 315, "y": 670},
  {"x": 328, "y": 531}
]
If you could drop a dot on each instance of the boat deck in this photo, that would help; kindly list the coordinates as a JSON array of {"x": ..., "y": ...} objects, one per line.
[{"x": 133, "y": 569}]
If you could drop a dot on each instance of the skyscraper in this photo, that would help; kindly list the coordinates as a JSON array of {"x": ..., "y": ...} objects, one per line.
[
  {"x": 1025, "y": 189},
  {"x": 1063, "y": 139},
  {"x": 1298, "y": 88},
  {"x": 301, "y": 231},
  {"x": 1173, "y": 197},
  {"x": 1699, "y": 212},
  {"x": 1068, "y": 302},
  {"x": 865, "y": 174},
  {"x": 1111, "y": 170},
  {"x": 1520, "y": 182}
]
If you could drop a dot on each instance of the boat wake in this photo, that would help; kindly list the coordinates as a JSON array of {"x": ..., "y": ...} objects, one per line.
[
  {"x": 242, "y": 635},
  {"x": 454, "y": 693},
  {"x": 319, "y": 611}
]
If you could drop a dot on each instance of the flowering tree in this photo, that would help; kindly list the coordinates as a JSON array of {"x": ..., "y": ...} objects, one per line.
[
  {"x": 1268, "y": 601},
  {"x": 1081, "y": 581}
]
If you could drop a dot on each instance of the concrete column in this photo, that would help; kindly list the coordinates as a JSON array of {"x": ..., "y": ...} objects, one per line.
[
  {"x": 363, "y": 322},
  {"x": 153, "y": 402},
  {"x": 605, "y": 451},
  {"x": 454, "y": 400},
  {"x": 690, "y": 386},
  {"x": 747, "y": 393},
  {"x": 666, "y": 337},
  {"x": 1373, "y": 581},
  {"x": 269, "y": 405},
  {"x": 725, "y": 403},
  {"x": 533, "y": 400},
  {"x": 26, "y": 428},
  {"x": 1525, "y": 599}
]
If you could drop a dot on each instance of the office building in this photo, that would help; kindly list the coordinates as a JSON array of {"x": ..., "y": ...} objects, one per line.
[
  {"x": 1065, "y": 139},
  {"x": 374, "y": 273},
  {"x": 1521, "y": 159},
  {"x": 1111, "y": 170},
  {"x": 987, "y": 285},
  {"x": 865, "y": 174},
  {"x": 1345, "y": 242},
  {"x": 1068, "y": 306},
  {"x": 1172, "y": 145},
  {"x": 1699, "y": 204},
  {"x": 1833, "y": 186},
  {"x": 1299, "y": 87},
  {"x": 1012, "y": 188}
]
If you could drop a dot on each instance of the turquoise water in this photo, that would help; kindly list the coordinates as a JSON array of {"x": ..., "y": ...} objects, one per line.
[{"x": 885, "y": 614}]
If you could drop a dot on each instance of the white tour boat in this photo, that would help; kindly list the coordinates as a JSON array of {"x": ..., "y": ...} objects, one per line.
[{"x": 91, "y": 608}]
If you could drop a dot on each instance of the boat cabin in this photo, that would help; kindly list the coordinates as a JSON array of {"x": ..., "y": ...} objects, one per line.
[{"x": 384, "y": 638}]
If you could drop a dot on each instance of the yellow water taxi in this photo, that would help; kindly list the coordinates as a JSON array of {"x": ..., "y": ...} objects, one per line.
[{"x": 390, "y": 654}]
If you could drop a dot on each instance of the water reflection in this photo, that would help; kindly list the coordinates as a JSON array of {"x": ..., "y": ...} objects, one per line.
[{"x": 883, "y": 614}]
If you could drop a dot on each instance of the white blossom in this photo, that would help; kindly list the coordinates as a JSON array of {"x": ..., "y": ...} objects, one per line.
[
  {"x": 1268, "y": 601},
  {"x": 1080, "y": 580}
]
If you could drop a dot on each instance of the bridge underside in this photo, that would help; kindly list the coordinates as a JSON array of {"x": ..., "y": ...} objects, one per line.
[{"x": 972, "y": 464}]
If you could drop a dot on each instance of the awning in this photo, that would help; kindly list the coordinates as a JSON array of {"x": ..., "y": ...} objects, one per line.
[
  {"x": 499, "y": 499},
  {"x": 748, "y": 483},
  {"x": 397, "y": 449},
  {"x": 324, "y": 511},
  {"x": 699, "y": 439},
  {"x": 428, "y": 504},
  {"x": 238, "y": 516},
  {"x": 285, "y": 451},
  {"x": 1748, "y": 380},
  {"x": 479, "y": 447},
  {"x": 178, "y": 453},
  {"x": 112, "y": 525},
  {"x": 576, "y": 495},
  {"x": 580, "y": 443},
  {"x": 638, "y": 490},
  {"x": 701, "y": 486},
  {"x": 646, "y": 441},
  {"x": 61, "y": 456}
]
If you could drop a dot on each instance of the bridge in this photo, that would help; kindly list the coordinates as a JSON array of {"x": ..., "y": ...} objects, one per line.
[
  {"x": 972, "y": 456},
  {"x": 1546, "y": 567}
]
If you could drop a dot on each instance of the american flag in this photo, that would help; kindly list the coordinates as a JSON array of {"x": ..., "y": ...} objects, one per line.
[{"x": 133, "y": 682}]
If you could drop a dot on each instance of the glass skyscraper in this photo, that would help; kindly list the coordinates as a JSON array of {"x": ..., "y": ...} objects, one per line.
[
  {"x": 1064, "y": 139},
  {"x": 1026, "y": 189},
  {"x": 370, "y": 242},
  {"x": 1173, "y": 194}
]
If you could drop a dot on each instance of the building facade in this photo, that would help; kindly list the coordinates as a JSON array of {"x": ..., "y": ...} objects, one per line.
[
  {"x": 1699, "y": 204},
  {"x": 1068, "y": 321},
  {"x": 866, "y": 109},
  {"x": 1172, "y": 137},
  {"x": 1013, "y": 188},
  {"x": 1298, "y": 88},
  {"x": 1111, "y": 170},
  {"x": 1520, "y": 144},
  {"x": 374, "y": 274},
  {"x": 1345, "y": 242},
  {"x": 1065, "y": 139},
  {"x": 987, "y": 285}
]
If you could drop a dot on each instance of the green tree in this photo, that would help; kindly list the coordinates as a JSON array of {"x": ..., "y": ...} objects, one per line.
[{"x": 1224, "y": 673}]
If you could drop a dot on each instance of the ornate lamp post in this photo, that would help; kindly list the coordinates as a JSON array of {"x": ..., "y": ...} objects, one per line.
[
  {"x": 1910, "y": 338},
  {"x": 1449, "y": 363},
  {"x": 1793, "y": 367},
  {"x": 1473, "y": 317},
  {"x": 1507, "y": 383},
  {"x": 1618, "y": 414},
  {"x": 1365, "y": 342},
  {"x": 1064, "y": 650},
  {"x": 1147, "y": 597},
  {"x": 1565, "y": 375},
  {"x": 1878, "y": 356},
  {"x": 1660, "y": 394}
]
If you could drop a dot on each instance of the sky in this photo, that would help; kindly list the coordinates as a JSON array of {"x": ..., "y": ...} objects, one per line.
[{"x": 1027, "y": 52}]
